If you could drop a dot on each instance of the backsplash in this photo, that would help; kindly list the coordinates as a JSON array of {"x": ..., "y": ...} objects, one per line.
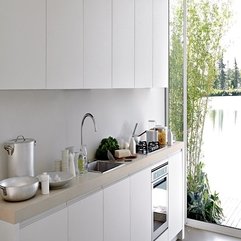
[{"x": 53, "y": 119}]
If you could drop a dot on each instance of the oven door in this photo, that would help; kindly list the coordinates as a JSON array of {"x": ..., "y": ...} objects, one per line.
[{"x": 159, "y": 206}]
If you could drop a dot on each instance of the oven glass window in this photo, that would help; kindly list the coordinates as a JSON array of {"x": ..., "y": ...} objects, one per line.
[{"x": 159, "y": 203}]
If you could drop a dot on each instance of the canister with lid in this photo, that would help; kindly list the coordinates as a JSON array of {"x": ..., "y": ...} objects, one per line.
[{"x": 20, "y": 156}]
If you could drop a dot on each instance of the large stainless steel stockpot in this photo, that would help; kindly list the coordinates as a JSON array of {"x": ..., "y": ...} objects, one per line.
[
  {"x": 19, "y": 188},
  {"x": 20, "y": 156}
]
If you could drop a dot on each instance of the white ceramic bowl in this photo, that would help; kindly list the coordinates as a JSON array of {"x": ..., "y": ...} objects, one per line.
[{"x": 59, "y": 179}]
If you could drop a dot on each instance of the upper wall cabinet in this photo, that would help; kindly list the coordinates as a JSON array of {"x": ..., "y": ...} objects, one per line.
[
  {"x": 123, "y": 43},
  {"x": 143, "y": 44},
  {"x": 65, "y": 44},
  {"x": 160, "y": 43},
  {"x": 97, "y": 43},
  {"x": 23, "y": 44}
]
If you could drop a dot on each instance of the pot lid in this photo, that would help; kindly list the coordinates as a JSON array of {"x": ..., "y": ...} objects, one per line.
[{"x": 21, "y": 139}]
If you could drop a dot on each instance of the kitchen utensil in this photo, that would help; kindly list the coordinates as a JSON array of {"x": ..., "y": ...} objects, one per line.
[
  {"x": 20, "y": 156},
  {"x": 110, "y": 156},
  {"x": 134, "y": 131},
  {"x": 19, "y": 188},
  {"x": 59, "y": 179}
]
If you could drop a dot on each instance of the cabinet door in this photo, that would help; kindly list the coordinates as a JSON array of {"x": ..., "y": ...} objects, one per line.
[
  {"x": 97, "y": 43},
  {"x": 123, "y": 44},
  {"x": 160, "y": 43},
  {"x": 86, "y": 219},
  {"x": 22, "y": 43},
  {"x": 176, "y": 195},
  {"x": 52, "y": 227},
  {"x": 117, "y": 212},
  {"x": 140, "y": 194},
  {"x": 64, "y": 44},
  {"x": 143, "y": 44}
]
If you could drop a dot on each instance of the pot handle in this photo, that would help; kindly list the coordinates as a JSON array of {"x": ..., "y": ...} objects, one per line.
[
  {"x": 4, "y": 190},
  {"x": 9, "y": 149}
]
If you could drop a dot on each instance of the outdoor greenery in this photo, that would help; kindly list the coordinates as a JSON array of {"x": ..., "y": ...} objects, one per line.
[
  {"x": 206, "y": 23},
  {"x": 228, "y": 80}
]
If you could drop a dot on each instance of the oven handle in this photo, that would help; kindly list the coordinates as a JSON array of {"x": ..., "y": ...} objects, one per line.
[{"x": 160, "y": 181}]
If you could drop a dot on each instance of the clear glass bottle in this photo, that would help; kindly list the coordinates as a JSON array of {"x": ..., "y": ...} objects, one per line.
[{"x": 82, "y": 160}]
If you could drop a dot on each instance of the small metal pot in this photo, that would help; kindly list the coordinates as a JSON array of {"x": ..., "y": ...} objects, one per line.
[{"x": 19, "y": 188}]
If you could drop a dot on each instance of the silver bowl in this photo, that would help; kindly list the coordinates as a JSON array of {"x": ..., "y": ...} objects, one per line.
[{"x": 16, "y": 189}]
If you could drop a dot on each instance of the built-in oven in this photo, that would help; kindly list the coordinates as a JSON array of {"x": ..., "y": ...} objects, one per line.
[{"x": 159, "y": 200}]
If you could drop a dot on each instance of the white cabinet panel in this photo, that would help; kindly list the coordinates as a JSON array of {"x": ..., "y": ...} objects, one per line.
[
  {"x": 23, "y": 43},
  {"x": 97, "y": 43},
  {"x": 140, "y": 211},
  {"x": 160, "y": 43},
  {"x": 86, "y": 219},
  {"x": 64, "y": 44},
  {"x": 117, "y": 211},
  {"x": 143, "y": 44},
  {"x": 176, "y": 195},
  {"x": 123, "y": 44},
  {"x": 52, "y": 227}
]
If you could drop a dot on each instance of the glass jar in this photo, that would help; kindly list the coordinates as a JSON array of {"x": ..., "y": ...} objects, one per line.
[{"x": 162, "y": 135}]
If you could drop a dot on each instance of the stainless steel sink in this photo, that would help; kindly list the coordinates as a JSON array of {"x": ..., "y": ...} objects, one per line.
[{"x": 103, "y": 166}]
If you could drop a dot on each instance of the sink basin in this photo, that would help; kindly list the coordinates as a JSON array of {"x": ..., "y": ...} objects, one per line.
[{"x": 103, "y": 166}]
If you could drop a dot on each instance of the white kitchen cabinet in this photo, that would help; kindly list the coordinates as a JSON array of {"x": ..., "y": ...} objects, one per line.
[
  {"x": 65, "y": 44},
  {"x": 123, "y": 44},
  {"x": 160, "y": 43},
  {"x": 97, "y": 43},
  {"x": 143, "y": 44},
  {"x": 176, "y": 195},
  {"x": 48, "y": 228},
  {"x": 140, "y": 206},
  {"x": 86, "y": 218},
  {"x": 117, "y": 211},
  {"x": 22, "y": 43}
]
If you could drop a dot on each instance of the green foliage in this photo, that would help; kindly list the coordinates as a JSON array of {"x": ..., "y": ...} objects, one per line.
[
  {"x": 206, "y": 23},
  {"x": 229, "y": 92},
  {"x": 201, "y": 203},
  {"x": 106, "y": 144}
]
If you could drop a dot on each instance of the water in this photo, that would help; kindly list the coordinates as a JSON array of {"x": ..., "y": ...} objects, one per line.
[{"x": 222, "y": 145}]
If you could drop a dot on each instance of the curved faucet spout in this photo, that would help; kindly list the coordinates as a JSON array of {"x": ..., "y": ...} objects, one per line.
[{"x": 82, "y": 124}]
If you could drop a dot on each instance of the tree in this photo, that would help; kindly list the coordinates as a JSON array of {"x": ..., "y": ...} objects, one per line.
[
  {"x": 207, "y": 21},
  {"x": 236, "y": 76}
]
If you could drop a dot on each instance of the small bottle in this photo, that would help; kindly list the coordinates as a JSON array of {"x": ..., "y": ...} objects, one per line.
[
  {"x": 132, "y": 146},
  {"x": 169, "y": 138},
  {"x": 45, "y": 183},
  {"x": 71, "y": 164}
]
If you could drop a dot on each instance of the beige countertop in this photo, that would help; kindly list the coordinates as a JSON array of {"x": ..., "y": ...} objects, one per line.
[{"x": 17, "y": 212}]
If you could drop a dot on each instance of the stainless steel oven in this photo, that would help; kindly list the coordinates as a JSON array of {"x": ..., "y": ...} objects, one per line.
[{"x": 159, "y": 200}]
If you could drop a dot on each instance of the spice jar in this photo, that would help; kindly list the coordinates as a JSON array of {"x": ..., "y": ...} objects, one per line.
[{"x": 162, "y": 135}]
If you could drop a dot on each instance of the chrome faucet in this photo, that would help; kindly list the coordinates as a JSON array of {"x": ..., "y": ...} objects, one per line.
[{"x": 82, "y": 123}]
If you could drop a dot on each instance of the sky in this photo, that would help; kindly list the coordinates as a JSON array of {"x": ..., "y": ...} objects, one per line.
[{"x": 232, "y": 39}]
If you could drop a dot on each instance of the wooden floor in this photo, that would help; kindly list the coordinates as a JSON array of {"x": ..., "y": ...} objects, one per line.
[
  {"x": 193, "y": 234},
  {"x": 232, "y": 212}
]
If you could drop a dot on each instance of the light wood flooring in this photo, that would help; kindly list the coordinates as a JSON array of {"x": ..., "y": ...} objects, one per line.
[
  {"x": 232, "y": 212},
  {"x": 193, "y": 234}
]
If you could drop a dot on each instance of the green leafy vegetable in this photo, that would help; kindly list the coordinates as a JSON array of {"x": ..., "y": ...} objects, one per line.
[{"x": 106, "y": 144}]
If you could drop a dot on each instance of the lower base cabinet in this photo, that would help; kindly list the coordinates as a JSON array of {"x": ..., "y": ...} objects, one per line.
[
  {"x": 140, "y": 211},
  {"x": 117, "y": 211},
  {"x": 49, "y": 228},
  {"x": 85, "y": 219}
]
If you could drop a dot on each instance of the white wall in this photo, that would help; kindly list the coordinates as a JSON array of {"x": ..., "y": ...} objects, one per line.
[{"x": 53, "y": 118}]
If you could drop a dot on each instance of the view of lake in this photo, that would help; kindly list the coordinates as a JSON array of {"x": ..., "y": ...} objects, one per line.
[{"x": 222, "y": 145}]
